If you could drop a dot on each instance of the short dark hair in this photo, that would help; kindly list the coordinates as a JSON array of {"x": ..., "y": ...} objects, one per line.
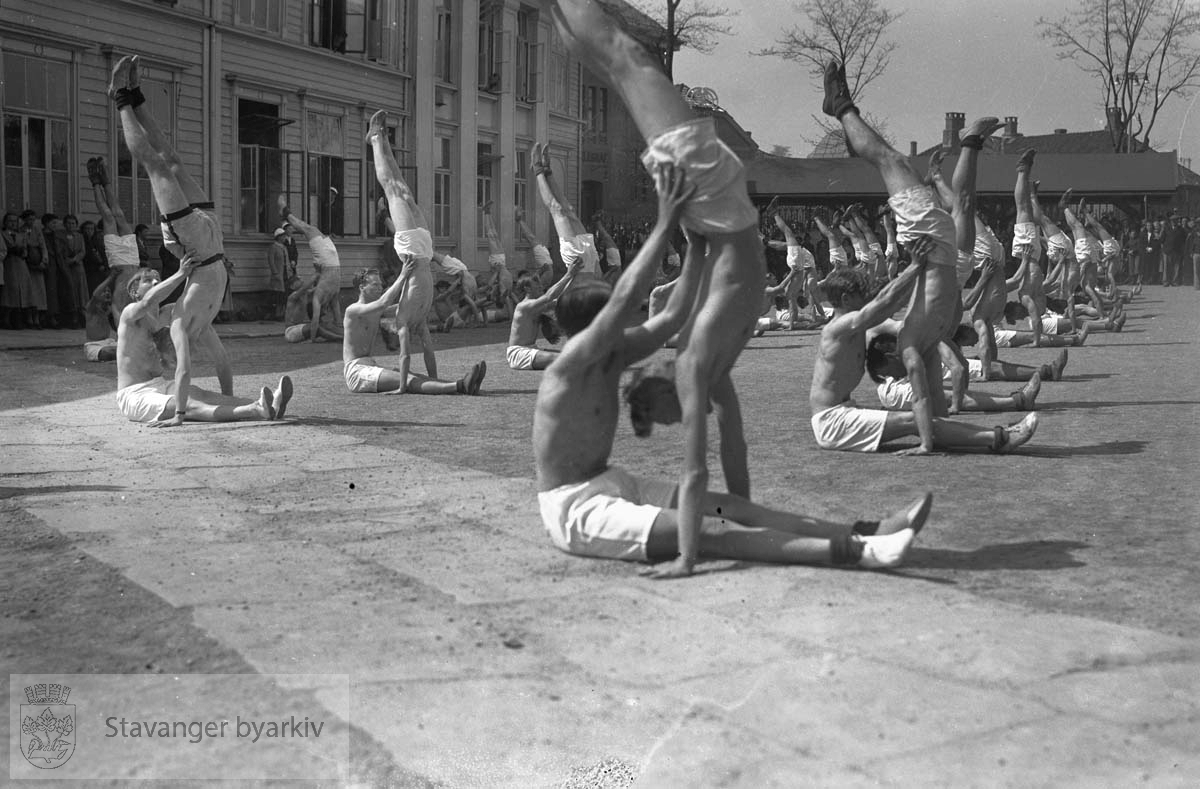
[
  {"x": 845, "y": 281},
  {"x": 965, "y": 334},
  {"x": 879, "y": 348},
  {"x": 1014, "y": 311},
  {"x": 141, "y": 228},
  {"x": 28, "y": 212},
  {"x": 362, "y": 275},
  {"x": 578, "y": 307},
  {"x": 47, "y": 218},
  {"x": 655, "y": 379}
]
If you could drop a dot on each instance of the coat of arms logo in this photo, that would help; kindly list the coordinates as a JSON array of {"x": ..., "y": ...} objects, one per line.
[{"x": 47, "y": 725}]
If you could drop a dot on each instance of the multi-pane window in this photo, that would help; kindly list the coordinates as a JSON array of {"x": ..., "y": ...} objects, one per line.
[
  {"x": 398, "y": 138},
  {"x": 595, "y": 113},
  {"x": 491, "y": 45},
  {"x": 37, "y": 134},
  {"x": 378, "y": 29},
  {"x": 559, "y": 71},
  {"x": 260, "y": 14},
  {"x": 265, "y": 169},
  {"x": 527, "y": 55},
  {"x": 443, "y": 186},
  {"x": 485, "y": 177},
  {"x": 328, "y": 204},
  {"x": 444, "y": 43},
  {"x": 521, "y": 177}
]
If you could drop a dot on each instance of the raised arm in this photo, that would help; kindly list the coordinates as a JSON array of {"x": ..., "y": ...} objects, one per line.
[
  {"x": 976, "y": 292},
  {"x": 546, "y": 299},
  {"x": 155, "y": 296},
  {"x": 641, "y": 341},
  {"x": 392, "y": 294},
  {"x": 627, "y": 295},
  {"x": 892, "y": 295},
  {"x": 1014, "y": 282}
]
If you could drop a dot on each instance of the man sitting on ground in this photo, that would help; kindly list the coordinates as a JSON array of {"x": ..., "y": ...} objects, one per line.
[
  {"x": 144, "y": 395},
  {"x": 361, "y": 328},
  {"x": 523, "y": 353},
  {"x": 837, "y": 421}
]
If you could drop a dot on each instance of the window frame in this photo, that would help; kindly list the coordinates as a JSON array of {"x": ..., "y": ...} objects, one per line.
[
  {"x": 443, "y": 184},
  {"x": 249, "y": 22}
]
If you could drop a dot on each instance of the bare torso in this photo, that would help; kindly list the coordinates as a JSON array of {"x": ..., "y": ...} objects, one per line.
[
  {"x": 841, "y": 360},
  {"x": 138, "y": 359},
  {"x": 575, "y": 419},
  {"x": 360, "y": 325},
  {"x": 524, "y": 325}
]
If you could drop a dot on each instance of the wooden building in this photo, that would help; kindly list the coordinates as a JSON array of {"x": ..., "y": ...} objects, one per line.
[{"x": 269, "y": 97}]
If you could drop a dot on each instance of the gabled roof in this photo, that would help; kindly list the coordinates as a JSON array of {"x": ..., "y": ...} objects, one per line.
[
  {"x": 637, "y": 23},
  {"x": 1090, "y": 174}
]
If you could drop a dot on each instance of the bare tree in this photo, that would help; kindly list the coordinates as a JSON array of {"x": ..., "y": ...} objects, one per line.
[
  {"x": 696, "y": 24},
  {"x": 849, "y": 31},
  {"x": 1142, "y": 52},
  {"x": 852, "y": 32}
]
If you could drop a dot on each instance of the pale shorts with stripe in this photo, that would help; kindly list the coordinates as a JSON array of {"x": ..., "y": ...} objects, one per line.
[
  {"x": 121, "y": 250},
  {"x": 197, "y": 234},
  {"x": 918, "y": 214},
  {"x": 581, "y": 247},
  {"x": 720, "y": 203},
  {"x": 608, "y": 516},
  {"x": 520, "y": 357},
  {"x": 147, "y": 401},
  {"x": 849, "y": 428},
  {"x": 1004, "y": 337}
]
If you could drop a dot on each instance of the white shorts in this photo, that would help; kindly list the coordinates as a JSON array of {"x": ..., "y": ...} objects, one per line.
[
  {"x": 837, "y": 255},
  {"x": 1110, "y": 248},
  {"x": 147, "y": 401},
  {"x": 416, "y": 242},
  {"x": 987, "y": 245},
  {"x": 294, "y": 333},
  {"x": 541, "y": 256},
  {"x": 325, "y": 254},
  {"x": 849, "y": 428},
  {"x": 121, "y": 250},
  {"x": 497, "y": 259},
  {"x": 362, "y": 375},
  {"x": 612, "y": 258},
  {"x": 1004, "y": 337},
  {"x": 875, "y": 249},
  {"x": 1025, "y": 235},
  {"x": 800, "y": 258},
  {"x": 1059, "y": 243},
  {"x": 92, "y": 350},
  {"x": 608, "y": 516},
  {"x": 520, "y": 357},
  {"x": 895, "y": 394},
  {"x": 1083, "y": 249},
  {"x": 861, "y": 253},
  {"x": 581, "y": 247},
  {"x": 719, "y": 203},
  {"x": 964, "y": 264},
  {"x": 918, "y": 214},
  {"x": 1050, "y": 322},
  {"x": 974, "y": 371}
]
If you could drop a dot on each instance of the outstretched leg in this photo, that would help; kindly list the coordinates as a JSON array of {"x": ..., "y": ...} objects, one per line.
[{"x": 402, "y": 205}]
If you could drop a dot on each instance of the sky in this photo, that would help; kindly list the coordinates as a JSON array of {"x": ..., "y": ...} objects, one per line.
[{"x": 978, "y": 58}]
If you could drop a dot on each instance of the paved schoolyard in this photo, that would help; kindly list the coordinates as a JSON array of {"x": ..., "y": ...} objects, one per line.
[{"x": 1044, "y": 631}]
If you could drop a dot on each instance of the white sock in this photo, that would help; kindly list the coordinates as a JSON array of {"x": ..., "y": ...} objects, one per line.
[{"x": 886, "y": 550}]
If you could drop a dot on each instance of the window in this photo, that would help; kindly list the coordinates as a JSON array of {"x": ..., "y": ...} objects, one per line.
[
  {"x": 37, "y": 134},
  {"x": 328, "y": 203},
  {"x": 443, "y": 186},
  {"x": 265, "y": 170},
  {"x": 388, "y": 32},
  {"x": 491, "y": 45},
  {"x": 444, "y": 45},
  {"x": 527, "y": 55},
  {"x": 560, "y": 74},
  {"x": 595, "y": 113},
  {"x": 521, "y": 177},
  {"x": 485, "y": 178},
  {"x": 261, "y": 14},
  {"x": 398, "y": 138}
]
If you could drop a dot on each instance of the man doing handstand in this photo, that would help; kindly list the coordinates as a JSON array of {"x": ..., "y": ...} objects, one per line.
[{"x": 327, "y": 286}]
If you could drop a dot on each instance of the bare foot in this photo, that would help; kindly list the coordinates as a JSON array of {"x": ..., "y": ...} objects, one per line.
[
  {"x": 120, "y": 76},
  {"x": 1018, "y": 433},
  {"x": 264, "y": 407},
  {"x": 1058, "y": 365},
  {"x": 912, "y": 517},
  {"x": 281, "y": 396},
  {"x": 376, "y": 126},
  {"x": 1026, "y": 396},
  {"x": 887, "y": 550}
]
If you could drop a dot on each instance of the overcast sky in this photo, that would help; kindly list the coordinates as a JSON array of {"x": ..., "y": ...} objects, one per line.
[{"x": 978, "y": 58}]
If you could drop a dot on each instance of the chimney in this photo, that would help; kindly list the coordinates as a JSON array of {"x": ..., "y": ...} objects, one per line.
[
  {"x": 1060, "y": 131},
  {"x": 1010, "y": 126},
  {"x": 912, "y": 147},
  {"x": 955, "y": 121}
]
